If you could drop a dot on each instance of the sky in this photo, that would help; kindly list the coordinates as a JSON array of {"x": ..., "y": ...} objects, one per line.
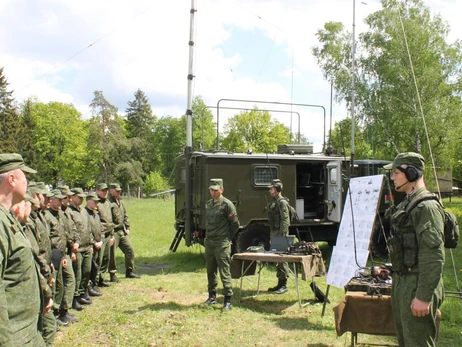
[{"x": 252, "y": 50}]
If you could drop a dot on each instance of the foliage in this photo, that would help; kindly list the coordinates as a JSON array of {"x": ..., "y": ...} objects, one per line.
[
  {"x": 387, "y": 104},
  {"x": 9, "y": 119},
  {"x": 59, "y": 138},
  {"x": 154, "y": 183},
  {"x": 256, "y": 131}
]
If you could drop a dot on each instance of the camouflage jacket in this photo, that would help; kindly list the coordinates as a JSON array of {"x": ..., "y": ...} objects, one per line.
[
  {"x": 94, "y": 225},
  {"x": 104, "y": 208},
  {"x": 119, "y": 214},
  {"x": 19, "y": 284},
  {"x": 42, "y": 234},
  {"x": 222, "y": 220},
  {"x": 59, "y": 230},
  {"x": 278, "y": 216},
  {"x": 79, "y": 218}
]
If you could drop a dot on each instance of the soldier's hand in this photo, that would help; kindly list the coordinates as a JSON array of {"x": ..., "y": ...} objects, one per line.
[
  {"x": 127, "y": 231},
  {"x": 51, "y": 282},
  {"x": 47, "y": 308},
  {"x": 64, "y": 262},
  {"x": 112, "y": 241},
  {"x": 75, "y": 247},
  {"x": 73, "y": 257},
  {"x": 420, "y": 308}
]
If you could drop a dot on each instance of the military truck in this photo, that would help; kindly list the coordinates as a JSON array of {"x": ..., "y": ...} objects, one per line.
[{"x": 315, "y": 184}]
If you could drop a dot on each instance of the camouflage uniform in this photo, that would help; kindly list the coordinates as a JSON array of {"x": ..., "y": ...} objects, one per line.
[
  {"x": 96, "y": 229},
  {"x": 65, "y": 279},
  {"x": 279, "y": 221},
  {"x": 19, "y": 280},
  {"x": 82, "y": 266},
  {"x": 122, "y": 241},
  {"x": 418, "y": 259},
  {"x": 222, "y": 225},
  {"x": 104, "y": 208}
]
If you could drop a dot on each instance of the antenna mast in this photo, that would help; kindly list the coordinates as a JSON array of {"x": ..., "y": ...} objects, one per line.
[
  {"x": 353, "y": 49},
  {"x": 188, "y": 147}
]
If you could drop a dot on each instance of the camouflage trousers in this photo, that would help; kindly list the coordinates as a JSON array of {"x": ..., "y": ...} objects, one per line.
[
  {"x": 123, "y": 242},
  {"x": 65, "y": 285},
  {"x": 411, "y": 330},
  {"x": 282, "y": 271},
  {"x": 218, "y": 257}
]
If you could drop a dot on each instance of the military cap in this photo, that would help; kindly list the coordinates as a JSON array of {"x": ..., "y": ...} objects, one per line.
[
  {"x": 115, "y": 186},
  {"x": 13, "y": 161},
  {"x": 101, "y": 186},
  {"x": 275, "y": 182},
  {"x": 56, "y": 193},
  {"x": 28, "y": 197},
  {"x": 32, "y": 187},
  {"x": 216, "y": 183},
  {"x": 93, "y": 197},
  {"x": 65, "y": 190},
  {"x": 42, "y": 188},
  {"x": 407, "y": 158},
  {"x": 78, "y": 191}
]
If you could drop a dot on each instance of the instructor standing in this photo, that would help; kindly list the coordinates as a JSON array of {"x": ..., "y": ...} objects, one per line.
[{"x": 417, "y": 254}]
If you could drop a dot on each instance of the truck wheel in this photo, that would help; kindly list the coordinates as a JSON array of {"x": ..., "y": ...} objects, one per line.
[{"x": 254, "y": 235}]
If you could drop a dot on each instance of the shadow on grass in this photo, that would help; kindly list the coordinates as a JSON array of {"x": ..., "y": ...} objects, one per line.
[{"x": 299, "y": 324}]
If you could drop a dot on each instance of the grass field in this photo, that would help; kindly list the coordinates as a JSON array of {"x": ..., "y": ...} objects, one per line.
[{"x": 163, "y": 307}]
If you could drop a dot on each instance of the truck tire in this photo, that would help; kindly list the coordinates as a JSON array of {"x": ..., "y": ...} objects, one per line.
[{"x": 254, "y": 235}]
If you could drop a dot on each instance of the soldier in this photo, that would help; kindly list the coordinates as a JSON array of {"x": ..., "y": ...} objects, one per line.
[
  {"x": 417, "y": 254},
  {"x": 47, "y": 321},
  {"x": 279, "y": 221},
  {"x": 96, "y": 229},
  {"x": 121, "y": 233},
  {"x": 104, "y": 208},
  {"x": 222, "y": 226},
  {"x": 82, "y": 265},
  {"x": 19, "y": 314},
  {"x": 62, "y": 246}
]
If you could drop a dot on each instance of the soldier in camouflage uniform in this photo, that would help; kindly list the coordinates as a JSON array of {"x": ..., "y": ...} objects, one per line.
[
  {"x": 47, "y": 321},
  {"x": 62, "y": 242},
  {"x": 82, "y": 266},
  {"x": 279, "y": 221},
  {"x": 104, "y": 208},
  {"x": 417, "y": 254},
  {"x": 18, "y": 274},
  {"x": 222, "y": 226},
  {"x": 96, "y": 229},
  {"x": 121, "y": 233}
]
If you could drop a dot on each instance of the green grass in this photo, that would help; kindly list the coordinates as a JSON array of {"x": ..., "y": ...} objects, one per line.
[{"x": 163, "y": 307}]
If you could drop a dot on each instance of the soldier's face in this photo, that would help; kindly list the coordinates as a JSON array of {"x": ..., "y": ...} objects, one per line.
[
  {"x": 102, "y": 193},
  {"x": 19, "y": 183},
  {"x": 55, "y": 203},
  {"x": 399, "y": 179},
  {"x": 273, "y": 191},
  {"x": 216, "y": 194}
]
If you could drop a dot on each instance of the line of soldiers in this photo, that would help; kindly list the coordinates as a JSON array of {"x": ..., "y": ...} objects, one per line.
[{"x": 54, "y": 252}]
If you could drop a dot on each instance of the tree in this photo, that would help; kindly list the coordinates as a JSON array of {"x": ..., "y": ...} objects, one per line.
[
  {"x": 107, "y": 134},
  {"x": 204, "y": 128},
  {"x": 9, "y": 118},
  {"x": 387, "y": 104},
  {"x": 155, "y": 182},
  {"x": 140, "y": 120},
  {"x": 256, "y": 131},
  {"x": 60, "y": 141},
  {"x": 26, "y": 140}
]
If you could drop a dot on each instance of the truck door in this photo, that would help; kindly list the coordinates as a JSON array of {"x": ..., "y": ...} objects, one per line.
[{"x": 334, "y": 191}]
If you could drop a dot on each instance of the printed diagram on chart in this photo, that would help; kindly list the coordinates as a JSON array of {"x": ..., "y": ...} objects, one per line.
[{"x": 355, "y": 229}]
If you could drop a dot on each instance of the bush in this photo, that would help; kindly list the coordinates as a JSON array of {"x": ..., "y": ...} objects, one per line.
[{"x": 154, "y": 183}]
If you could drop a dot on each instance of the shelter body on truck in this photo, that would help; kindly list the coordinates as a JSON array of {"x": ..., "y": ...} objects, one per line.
[{"x": 315, "y": 184}]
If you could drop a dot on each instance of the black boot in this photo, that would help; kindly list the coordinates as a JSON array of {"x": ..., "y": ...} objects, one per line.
[
  {"x": 114, "y": 278},
  {"x": 212, "y": 300},
  {"x": 102, "y": 283},
  {"x": 131, "y": 274},
  {"x": 76, "y": 305},
  {"x": 86, "y": 295},
  {"x": 273, "y": 289},
  {"x": 227, "y": 304},
  {"x": 93, "y": 292},
  {"x": 282, "y": 289},
  {"x": 82, "y": 301},
  {"x": 66, "y": 317}
]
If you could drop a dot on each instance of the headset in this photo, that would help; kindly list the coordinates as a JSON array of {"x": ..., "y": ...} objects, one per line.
[
  {"x": 412, "y": 174},
  {"x": 278, "y": 187}
]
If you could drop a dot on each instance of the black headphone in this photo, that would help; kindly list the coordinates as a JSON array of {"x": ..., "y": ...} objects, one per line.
[
  {"x": 412, "y": 174},
  {"x": 278, "y": 187}
]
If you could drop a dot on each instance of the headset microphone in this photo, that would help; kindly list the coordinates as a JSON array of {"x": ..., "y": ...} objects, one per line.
[{"x": 399, "y": 187}]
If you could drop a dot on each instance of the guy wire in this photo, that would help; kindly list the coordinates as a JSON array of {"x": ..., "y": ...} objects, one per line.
[{"x": 419, "y": 100}]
